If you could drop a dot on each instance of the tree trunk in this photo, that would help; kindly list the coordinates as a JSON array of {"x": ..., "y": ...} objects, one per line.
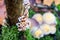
[{"x": 14, "y": 9}]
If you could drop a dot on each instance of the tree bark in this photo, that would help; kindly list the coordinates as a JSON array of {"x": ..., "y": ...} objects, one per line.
[{"x": 14, "y": 9}]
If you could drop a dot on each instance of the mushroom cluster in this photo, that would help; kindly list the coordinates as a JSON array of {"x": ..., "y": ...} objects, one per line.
[
  {"x": 26, "y": 4},
  {"x": 39, "y": 25},
  {"x": 23, "y": 22},
  {"x": 43, "y": 24}
]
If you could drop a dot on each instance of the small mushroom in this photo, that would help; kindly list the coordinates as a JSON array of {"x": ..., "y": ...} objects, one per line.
[
  {"x": 52, "y": 29},
  {"x": 38, "y": 17},
  {"x": 33, "y": 23},
  {"x": 49, "y": 18},
  {"x": 37, "y": 32},
  {"x": 45, "y": 28}
]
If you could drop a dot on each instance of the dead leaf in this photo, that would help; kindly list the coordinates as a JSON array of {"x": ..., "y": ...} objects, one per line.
[
  {"x": 47, "y": 2},
  {"x": 57, "y": 2}
]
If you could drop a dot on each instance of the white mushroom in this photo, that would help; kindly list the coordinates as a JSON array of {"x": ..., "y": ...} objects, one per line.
[
  {"x": 33, "y": 23},
  {"x": 49, "y": 18},
  {"x": 38, "y": 17},
  {"x": 52, "y": 29},
  {"x": 45, "y": 28},
  {"x": 26, "y": 4},
  {"x": 36, "y": 32}
]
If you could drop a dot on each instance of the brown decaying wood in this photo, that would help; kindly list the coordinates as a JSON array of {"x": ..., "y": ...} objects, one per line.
[{"x": 14, "y": 9}]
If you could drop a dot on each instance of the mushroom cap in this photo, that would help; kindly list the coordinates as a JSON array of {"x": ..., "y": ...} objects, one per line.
[
  {"x": 36, "y": 32},
  {"x": 38, "y": 17},
  {"x": 49, "y": 18},
  {"x": 53, "y": 29},
  {"x": 45, "y": 28},
  {"x": 33, "y": 23}
]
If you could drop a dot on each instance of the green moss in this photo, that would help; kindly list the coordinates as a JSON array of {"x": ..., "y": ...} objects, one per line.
[
  {"x": 58, "y": 6},
  {"x": 9, "y": 33}
]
